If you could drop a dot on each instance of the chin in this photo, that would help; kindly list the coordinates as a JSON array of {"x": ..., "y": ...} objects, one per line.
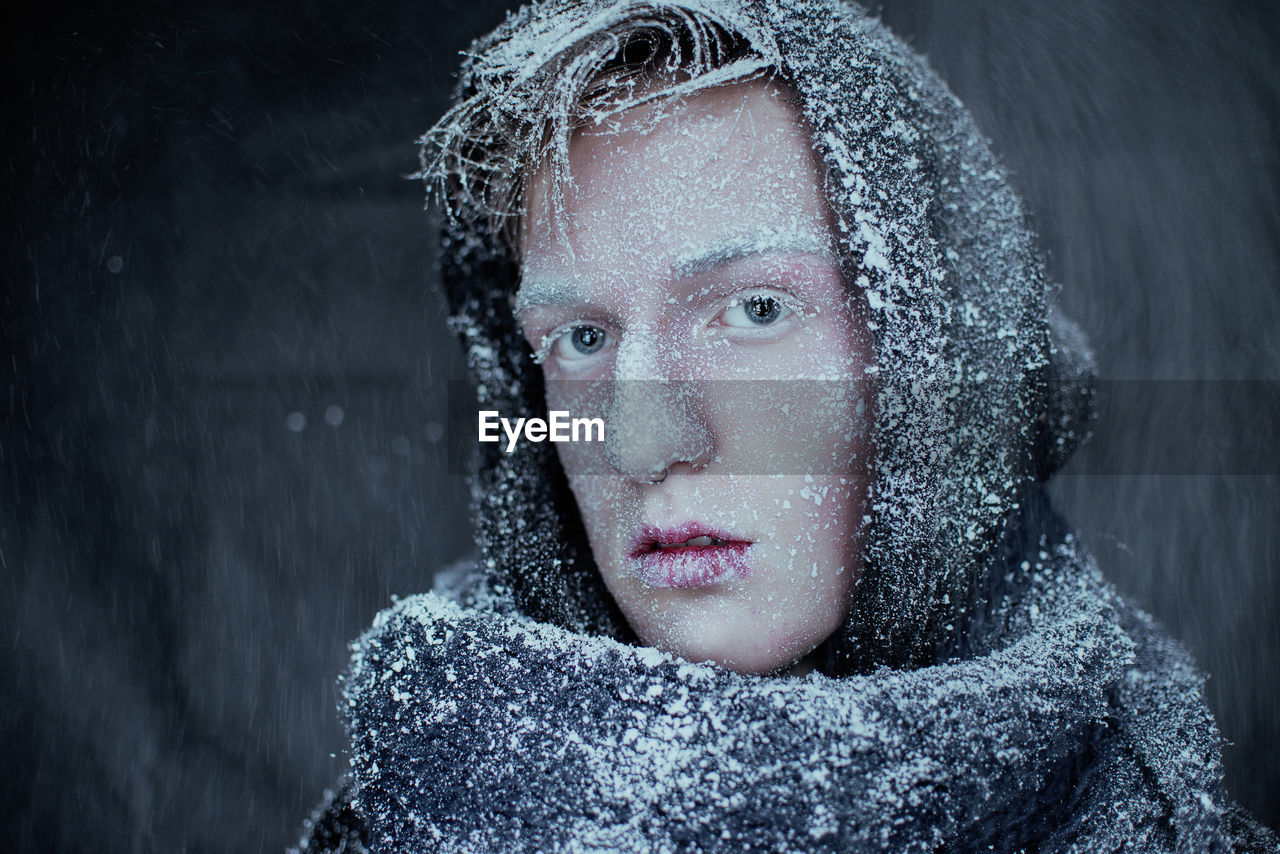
[{"x": 747, "y": 653}]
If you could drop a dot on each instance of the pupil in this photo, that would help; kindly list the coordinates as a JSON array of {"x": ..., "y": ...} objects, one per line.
[
  {"x": 587, "y": 339},
  {"x": 763, "y": 309}
]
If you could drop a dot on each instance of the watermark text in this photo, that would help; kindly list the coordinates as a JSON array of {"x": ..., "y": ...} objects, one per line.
[{"x": 559, "y": 427}]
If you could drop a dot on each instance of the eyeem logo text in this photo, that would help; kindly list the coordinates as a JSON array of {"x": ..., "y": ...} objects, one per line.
[{"x": 560, "y": 428}]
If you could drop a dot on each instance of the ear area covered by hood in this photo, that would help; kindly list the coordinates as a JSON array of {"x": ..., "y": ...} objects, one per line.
[
  {"x": 1067, "y": 422},
  {"x": 983, "y": 391}
]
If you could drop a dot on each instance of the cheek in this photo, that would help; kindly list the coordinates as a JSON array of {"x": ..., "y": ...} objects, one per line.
[
  {"x": 600, "y": 503},
  {"x": 817, "y": 428},
  {"x": 581, "y": 399},
  {"x": 607, "y": 507},
  {"x": 810, "y": 417},
  {"x": 834, "y": 345},
  {"x": 815, "y": 561}
]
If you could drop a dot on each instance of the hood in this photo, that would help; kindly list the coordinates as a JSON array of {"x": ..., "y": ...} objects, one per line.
[{"x": 983, "y": 391}]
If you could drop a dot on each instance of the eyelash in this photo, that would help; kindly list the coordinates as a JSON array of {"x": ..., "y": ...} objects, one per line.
[
  {"x": 550, "y": 340},
  {"x": 783, "y": 307},
  {"x": 788, "y": 306}
]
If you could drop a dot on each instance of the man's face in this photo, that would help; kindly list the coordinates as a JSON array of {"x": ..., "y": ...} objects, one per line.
[{"x": 690, "y": 296}]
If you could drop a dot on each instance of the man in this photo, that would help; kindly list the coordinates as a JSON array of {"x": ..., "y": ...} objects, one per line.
[{"x": 653, "y": 211}]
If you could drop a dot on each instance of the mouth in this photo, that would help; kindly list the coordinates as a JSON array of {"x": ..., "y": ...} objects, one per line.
[{"x": 687, "y": 556}]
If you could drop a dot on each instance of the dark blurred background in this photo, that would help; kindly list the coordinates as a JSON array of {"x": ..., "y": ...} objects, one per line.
[{"x": 224, "y": 365}]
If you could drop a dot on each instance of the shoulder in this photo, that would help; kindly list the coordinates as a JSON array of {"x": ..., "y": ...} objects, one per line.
[
  {"x": 334, "y": 827},
  {"x": 1168, "y": 731},
  {"x": 468, "y": 583},
  {"x": 1247, "y": 835}
]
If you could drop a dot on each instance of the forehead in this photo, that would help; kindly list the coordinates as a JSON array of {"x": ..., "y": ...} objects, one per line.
[{"x": 666, "y": 187}]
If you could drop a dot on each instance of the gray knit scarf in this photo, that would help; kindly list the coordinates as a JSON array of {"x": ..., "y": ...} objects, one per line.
[{"x": 1079, "y": 728}]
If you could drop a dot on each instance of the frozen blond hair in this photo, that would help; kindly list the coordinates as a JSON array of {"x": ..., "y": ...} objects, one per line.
[{"x": 537, "y": 79}]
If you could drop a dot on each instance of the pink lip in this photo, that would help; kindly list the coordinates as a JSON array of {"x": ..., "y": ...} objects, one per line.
[{"x": 686, "y": 567}]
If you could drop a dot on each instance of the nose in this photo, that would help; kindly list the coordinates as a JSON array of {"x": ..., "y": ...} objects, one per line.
[{"x": 655, "y": 424}]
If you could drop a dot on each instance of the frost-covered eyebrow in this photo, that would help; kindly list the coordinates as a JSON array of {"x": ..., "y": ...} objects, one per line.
[
  {"x": 543, "y": 290},
  {"x": 537, "y": 291},
  {"x": 736, "y": 249}
]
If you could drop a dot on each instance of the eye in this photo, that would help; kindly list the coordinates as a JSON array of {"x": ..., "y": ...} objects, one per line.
[
  {"x": 579, "y": 343},
  {"x": 755, "y": 310}
]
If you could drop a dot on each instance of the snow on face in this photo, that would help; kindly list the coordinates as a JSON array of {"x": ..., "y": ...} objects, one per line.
[{"x": 689, "y": 294}]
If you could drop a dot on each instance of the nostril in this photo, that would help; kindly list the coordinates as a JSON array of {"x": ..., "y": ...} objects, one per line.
[{"x": 654, "y": 426}]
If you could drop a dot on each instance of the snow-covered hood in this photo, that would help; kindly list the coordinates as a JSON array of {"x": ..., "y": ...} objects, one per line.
[{"x": 972, "y": 410}]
